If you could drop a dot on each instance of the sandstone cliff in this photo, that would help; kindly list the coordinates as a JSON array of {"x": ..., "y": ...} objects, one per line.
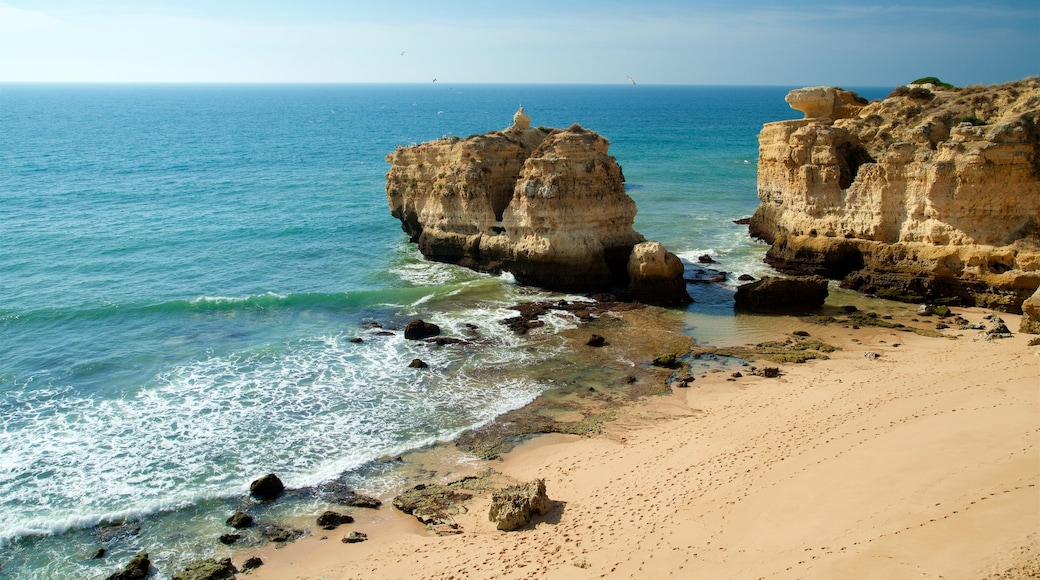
[
  {"x": 930, "y": 194},
  {"x": 547, "y": 205}
]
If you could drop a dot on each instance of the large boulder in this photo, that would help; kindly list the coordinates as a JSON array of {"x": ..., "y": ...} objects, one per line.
[
  {"x": 656, "y": 275},
  {"x": 1031, "y": 314},
  {"x": 419, "y": 329},
  {"x": 266, "y": 488},
  {"x": 772, "y": 294},
  {"x": 513, "y": 507},
  {"x": 929, "y": 195}
]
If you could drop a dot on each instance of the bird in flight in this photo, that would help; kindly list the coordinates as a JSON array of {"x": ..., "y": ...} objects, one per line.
[
  {"x": 434, "y": 80},
  {"x": 402, "y": 53},
  {"x": 631, "y": 80}
]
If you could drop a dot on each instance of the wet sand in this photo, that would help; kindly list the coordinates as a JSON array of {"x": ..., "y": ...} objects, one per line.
[{"x": 921, "y": 461}]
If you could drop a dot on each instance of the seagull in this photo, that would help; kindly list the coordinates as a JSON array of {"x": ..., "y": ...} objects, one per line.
[
  {"x": 631, "y": 80},
  {"x": 402, "y": 53},
  {"x": 434, "y": 80}
]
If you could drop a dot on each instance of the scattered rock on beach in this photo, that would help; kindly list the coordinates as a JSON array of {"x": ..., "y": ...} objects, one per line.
[
  {"x": 513, "y": 507},
  {"x": 331, "y": 520},
  {"x": 354, "y": 537},
  {"x": 267, "y": 488},
  {"x": 418, "y": 363},
  {"x": 340, "y": 493},
  {"x": 279, "y": 534},
  {"x": 706, "y": 259},
  {"x": 596, "y": 341},
  {"x": 136, "y": 569},
  {"x": 228, "y": 539},
  {"x": 252, "y": 564},
  {"x": 208, "y": 570}
]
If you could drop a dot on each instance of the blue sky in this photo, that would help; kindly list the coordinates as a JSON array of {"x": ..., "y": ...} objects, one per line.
[{"x": 787, "y": 43}]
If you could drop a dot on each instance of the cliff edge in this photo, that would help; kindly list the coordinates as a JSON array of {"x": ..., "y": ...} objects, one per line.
[
  {"x": 547, "y": 205},
  {"x": 931, "y": 194}
]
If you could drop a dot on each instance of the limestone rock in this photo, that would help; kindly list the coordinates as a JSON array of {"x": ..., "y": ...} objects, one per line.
[
  {"x": 772, "y": 294},
  {"x": 656, "y": 275},
  {"x": 547, "y": 205},
  {"x": 266, "y": 488},
  {"x": 825, "y": 102},
  {"x": 207, "y": 570},
  {"x": 925, "y": 196},
  {"x": 136, "y": 569},
  {"x": 513, "y": 507},
  {"x": 1031, "y": 314},
  {"x": 433, "y": 504}
]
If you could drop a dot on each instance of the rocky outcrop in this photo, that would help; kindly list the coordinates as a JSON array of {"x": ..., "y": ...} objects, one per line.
[
  {"x": 771, "y": 294},
  {"x": 928, "y": 195},
  {"x": 547, "y": 205},
  {"x": 1031, "y": 314}
]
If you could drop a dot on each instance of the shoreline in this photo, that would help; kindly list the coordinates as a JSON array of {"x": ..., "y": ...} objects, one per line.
[{"x": 924, "y": 459}]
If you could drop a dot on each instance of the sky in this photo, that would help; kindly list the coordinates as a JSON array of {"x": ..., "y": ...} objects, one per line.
[{"x": 756, "y": 42}]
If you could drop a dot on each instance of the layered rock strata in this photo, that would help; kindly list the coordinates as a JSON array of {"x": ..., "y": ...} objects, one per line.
[
  {"x": 547, "y": 205},
  {"x": 931, "y": 194}
]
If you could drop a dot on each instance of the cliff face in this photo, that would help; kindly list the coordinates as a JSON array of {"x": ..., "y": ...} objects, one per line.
[
  {"x": 930, "y": 194},
  {"x": 547, "y": 205}
]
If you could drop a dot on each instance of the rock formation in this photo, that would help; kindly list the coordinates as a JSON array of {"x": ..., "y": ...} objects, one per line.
[
  {"x": 927, "y": 195},
  {"x": 513, "y": 507},
  {"x": 1031, "y": 314},
  {"x": 547, "y": 205}
]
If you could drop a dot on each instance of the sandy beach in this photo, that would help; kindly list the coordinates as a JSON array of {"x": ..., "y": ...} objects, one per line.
[{"x": 902, "y": 456}]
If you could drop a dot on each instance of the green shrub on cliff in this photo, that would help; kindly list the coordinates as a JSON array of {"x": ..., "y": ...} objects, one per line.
[{"x": 933, "y": 81}]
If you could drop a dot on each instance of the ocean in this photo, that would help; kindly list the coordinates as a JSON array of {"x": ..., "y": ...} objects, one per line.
[{"x": 183, "y": 269}]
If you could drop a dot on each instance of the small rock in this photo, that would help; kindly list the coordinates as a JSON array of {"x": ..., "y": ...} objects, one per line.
[
  {"x": 873, "y": 355},
  {"x": 746, "y": 278},
  {"x": 136, "y": 569},
  {"x": 706, "y": 259},
  {"x": 240, "y": 521},
  {"x": 330, "y": 520},
  {"x": 941, "y": 326},
  {"x": 926, "y": 310},
  {"x": 228, "y": 539},
  {"x": 418, "y": 363},
  {"x": 252, "y": 564},
  {"x": 354, "y": 537},
  {"x": 596, "y": 340},
  {"x": 267, "y": 488},
  {"x": 355, "y": 340},
  {"x": 99, "y": 554},
  {"x": 800, "y": 333},
  {"x": 736, "y": 375},
  {"x": 279, "y": 534}
]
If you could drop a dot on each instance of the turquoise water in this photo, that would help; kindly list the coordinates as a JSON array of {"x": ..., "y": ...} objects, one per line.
[{"x": 182, "y": 270}]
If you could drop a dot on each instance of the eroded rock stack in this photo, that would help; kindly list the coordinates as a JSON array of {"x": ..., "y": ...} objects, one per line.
[
  {"x": 932, "y": 194},
  {"x": 547, "y": 205}
]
